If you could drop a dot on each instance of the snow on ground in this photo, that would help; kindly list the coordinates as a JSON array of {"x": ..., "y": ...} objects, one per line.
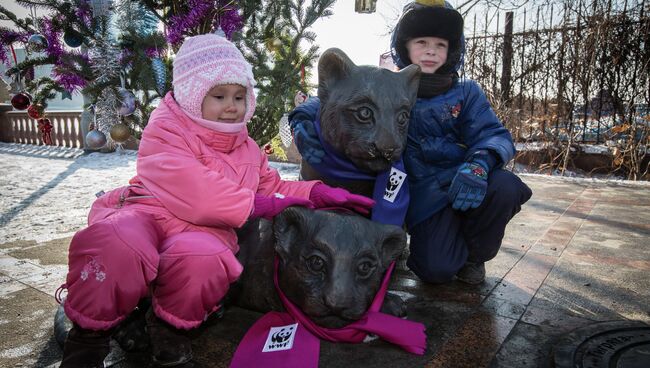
[
  {"x": 601, "y": 149},
  {"x": 45, "y": 192}
]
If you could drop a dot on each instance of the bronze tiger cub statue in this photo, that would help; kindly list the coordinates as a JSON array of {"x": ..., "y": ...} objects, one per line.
[
  {"x": 364, "y": 115},
  {"x": 331, "y": 264}
]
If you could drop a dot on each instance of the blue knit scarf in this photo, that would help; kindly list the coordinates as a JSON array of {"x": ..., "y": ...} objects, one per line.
[{"x": 391, "y": 192}]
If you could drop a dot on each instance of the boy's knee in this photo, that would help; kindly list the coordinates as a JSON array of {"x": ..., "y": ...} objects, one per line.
[{"x": 507, "y": 187}]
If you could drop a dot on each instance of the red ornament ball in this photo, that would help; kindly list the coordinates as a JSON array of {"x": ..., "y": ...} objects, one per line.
[
  {"x": 21, "y": 101},
  {"x": 268, "y": 149},
  {"x": 36, "y": 111},
  {"x": 299, "y": 98}
]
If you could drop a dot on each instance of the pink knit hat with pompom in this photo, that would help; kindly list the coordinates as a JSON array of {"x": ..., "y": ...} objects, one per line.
[{"x": 204, "y": 62}]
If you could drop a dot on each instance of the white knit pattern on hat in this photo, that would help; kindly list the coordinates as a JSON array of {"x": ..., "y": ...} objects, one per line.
[{"x": 204, "y": 62}]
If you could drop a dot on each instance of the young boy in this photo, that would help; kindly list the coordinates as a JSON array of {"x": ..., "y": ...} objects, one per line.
[{"x": 461, "y": 199}]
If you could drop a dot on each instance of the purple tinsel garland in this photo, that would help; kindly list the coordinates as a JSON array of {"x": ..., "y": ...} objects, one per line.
[
  {"x": 178, "y": 24},
  {"x": 84, "y": 12},
  {"x": 52, "y": 35},
  {"x": 69, "y": 81},
  {"x": 229, "y": 19},
  {"x": 7, "y": 38},
  {"x": 152, "y": 52},
  {"x": 3, "y": 57}
]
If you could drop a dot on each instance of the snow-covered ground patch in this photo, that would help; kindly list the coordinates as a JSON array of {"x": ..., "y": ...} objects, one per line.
[{"x": 46, "y": 192}]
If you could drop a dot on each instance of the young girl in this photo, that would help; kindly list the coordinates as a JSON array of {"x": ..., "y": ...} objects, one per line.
[
  {"x": 170, "y": 233},
  {"x": 461, "y": 199}
]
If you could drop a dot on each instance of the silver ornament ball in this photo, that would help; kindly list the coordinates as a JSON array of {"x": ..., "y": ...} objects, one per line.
[
  {"x": 95, "y": 139},
  {"x": 128, "y": 102},
  {"x": 37, "y": 42}
]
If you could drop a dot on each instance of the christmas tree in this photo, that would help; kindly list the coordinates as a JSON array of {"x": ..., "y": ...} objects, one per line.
[
  {"x": 106, "y": 51},
  {"x": 118, "y": 54},
  {"x": 271, "y": 40}
]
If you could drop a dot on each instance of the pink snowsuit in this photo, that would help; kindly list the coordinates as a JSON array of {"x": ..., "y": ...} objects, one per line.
[{"x": 170, "y": 234}]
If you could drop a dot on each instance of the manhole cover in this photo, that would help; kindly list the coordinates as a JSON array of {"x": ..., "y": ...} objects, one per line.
[{"x": 616, "y": 344}]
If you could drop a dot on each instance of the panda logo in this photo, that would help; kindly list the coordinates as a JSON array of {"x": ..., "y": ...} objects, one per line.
[
  {"x": 395, "y": 181},
  {"x": 283, "y": 335},
  {"x": 280, "y": 338}
]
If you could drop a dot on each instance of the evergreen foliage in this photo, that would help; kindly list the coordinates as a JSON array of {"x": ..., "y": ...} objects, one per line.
[
  {"x": 271, "y": 41},
  {"x": 130, "y": 28},
  {"x": 269, "y": 33}
]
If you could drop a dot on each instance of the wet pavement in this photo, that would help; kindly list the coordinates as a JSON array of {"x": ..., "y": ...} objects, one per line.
[{"x": 578, "y": 253}]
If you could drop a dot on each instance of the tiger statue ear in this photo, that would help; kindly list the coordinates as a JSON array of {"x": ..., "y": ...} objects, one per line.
[
  {"x": 393, "y": 243},
  {"x": 333, "y": 66},
  {"x": 286, "y": 228},
  {"x": 412, "y": 74}
]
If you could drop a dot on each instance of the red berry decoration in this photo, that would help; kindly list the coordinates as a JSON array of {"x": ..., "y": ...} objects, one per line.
[
  {"x": 268, "y": 149},
  {"x": 45, "y": 127},
  {"x": 21, "y": 101},
  {"x": 36, "y": 111}
]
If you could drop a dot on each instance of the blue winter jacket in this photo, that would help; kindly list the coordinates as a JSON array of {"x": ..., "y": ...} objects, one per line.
[{"x": 444, "y": 131}]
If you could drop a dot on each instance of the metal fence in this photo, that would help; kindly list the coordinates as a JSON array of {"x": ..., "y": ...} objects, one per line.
[{"x": 566, "y": 71}]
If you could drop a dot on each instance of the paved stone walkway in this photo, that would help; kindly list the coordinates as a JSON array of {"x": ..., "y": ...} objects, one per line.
[{"x": 579, "y": 252}]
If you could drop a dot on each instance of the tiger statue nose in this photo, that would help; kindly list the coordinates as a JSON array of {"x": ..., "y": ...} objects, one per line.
[{"x": 388, "y": 154}]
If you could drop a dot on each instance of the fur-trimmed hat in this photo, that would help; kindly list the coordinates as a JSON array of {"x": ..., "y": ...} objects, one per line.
[
  {"x": 206, "y": 61},
  {"x": 435, "y": 18}
]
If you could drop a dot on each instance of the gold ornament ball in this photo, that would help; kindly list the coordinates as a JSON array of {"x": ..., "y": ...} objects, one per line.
[
  {"x": 120, "y": 133},
  {"x": 273, "y": 44}
]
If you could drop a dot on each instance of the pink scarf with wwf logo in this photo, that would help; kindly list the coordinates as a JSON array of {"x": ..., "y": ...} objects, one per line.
[{"x": 281, "y": 340}]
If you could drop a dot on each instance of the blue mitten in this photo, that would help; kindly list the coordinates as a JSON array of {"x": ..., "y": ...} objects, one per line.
[
  {"x": 307, "y": 142},
  {"x": 469, "y": 186},
  {"x": 301, "y": 120}
]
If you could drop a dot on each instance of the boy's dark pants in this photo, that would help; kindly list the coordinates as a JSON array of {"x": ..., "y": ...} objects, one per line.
[{"x": 443, "y": 243}]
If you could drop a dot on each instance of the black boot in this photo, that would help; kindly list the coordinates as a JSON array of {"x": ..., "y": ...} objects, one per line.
[
  {"x": 85, "y": 348},
  {"x": 131, "y": 334},
  {"x": 170, "y": 347},
  {"x": 472, "y": 273}
]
